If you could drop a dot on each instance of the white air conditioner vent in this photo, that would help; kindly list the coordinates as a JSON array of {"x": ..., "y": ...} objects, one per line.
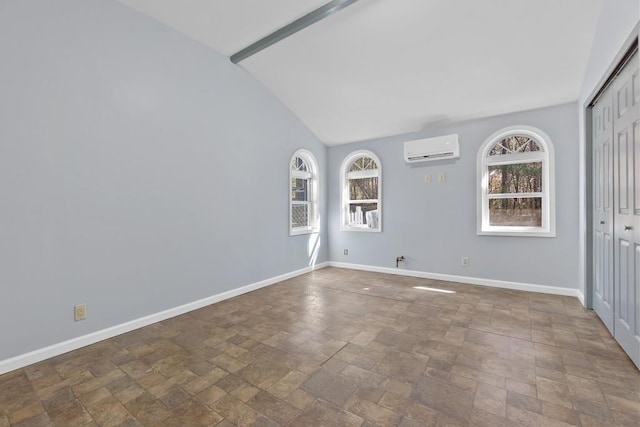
[{"x": 424, "y": 150}]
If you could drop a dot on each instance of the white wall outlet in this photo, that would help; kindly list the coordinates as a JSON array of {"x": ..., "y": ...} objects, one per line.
[
  {"x": 464, "y": 261},
  {"x": 346, "y": 251},
  {"x": 442, "y": 177},
  {"x": 427, "y": 179},
  {"x": 79, "y": 312}
]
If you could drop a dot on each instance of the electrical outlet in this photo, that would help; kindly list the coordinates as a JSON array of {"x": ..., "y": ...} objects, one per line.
[
  {"x": 346, "y": 251},
  {"x": 427, "y": 179},
  {"x": 442, "y": 177},
  {"x": 465, "y": 261},
  {"x": 79, "y": 312}
]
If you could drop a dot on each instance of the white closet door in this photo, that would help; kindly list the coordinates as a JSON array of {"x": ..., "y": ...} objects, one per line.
[
  {"x": 602, "y": 117},
  {"x": 626, "y": 164}
]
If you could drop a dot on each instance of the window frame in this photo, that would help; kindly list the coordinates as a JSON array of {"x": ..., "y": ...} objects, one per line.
[
  {"x": 344, "y": 190},
  {"x": 546, "y": 156},
  {"x": 312, "y": 193}
]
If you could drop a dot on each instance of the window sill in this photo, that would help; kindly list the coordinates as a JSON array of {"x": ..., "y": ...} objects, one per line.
[
  {"x": 360, "y": 229},
  {"x": 511, "y": 232},
  {"x": 302, "y": 231}
]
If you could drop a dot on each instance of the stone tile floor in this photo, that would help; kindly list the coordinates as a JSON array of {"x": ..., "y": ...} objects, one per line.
[{"x": 344, "y": 348}]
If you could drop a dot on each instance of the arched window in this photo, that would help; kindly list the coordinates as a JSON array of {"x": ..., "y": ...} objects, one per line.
[
  {"x": 361, "y": 183},
  {"x": 303, "y": 187},
  {"x": 516, "y": 184}
]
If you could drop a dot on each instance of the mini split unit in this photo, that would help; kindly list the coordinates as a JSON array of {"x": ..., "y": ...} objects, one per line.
[{"x": 425, "y": 150}]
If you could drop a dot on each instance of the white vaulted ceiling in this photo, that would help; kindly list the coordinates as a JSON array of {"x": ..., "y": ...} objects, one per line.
[{"x": 386, "y": 67}]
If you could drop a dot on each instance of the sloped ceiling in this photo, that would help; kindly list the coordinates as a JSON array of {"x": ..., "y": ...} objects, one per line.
[{"x": 387, "y": 67}]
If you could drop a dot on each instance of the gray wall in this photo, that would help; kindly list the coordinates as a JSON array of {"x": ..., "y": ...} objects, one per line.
[
  {"x": 615, "y": 24},
  {"x": 139, "y": 170},
  {"x": 434, "y": 225}
]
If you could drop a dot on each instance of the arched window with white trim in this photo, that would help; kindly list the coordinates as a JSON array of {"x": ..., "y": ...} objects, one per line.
[
  {"x": 516, "y": 184},
  {"x": 303, "y": 188},
  {"x": 361, "y": 190}
]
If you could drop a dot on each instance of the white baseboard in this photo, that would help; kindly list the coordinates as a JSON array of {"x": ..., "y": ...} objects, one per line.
[
  {"x": 35, "y": 356},
  {"x": 580, "y": 296},
  {"x": 464, "y": 279}
]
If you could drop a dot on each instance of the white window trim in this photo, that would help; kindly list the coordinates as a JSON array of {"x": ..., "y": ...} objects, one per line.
[
  {"x": 547, "y": 157},
  {"x": 344, "y": 190},
  {"x": 313, "y": 192}
]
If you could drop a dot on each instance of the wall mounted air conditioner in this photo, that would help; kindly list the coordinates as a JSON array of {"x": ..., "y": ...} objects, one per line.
[{"x": 424, "y": 150}]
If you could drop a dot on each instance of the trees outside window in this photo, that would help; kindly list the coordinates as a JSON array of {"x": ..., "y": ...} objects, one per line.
[
  {"x": 516, "y": 184},
  {"x": 303, "y": 187},
  {"x": 361, "y": 192}
]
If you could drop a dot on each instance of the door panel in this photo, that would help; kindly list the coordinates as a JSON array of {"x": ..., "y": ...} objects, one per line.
[
  {"x": 603, "y": 271},
  {"x": 624, "y": 283},
  {"x": 626, "y": 125},
  {"x": 622, "y": 193},
  {"x": 622, "y": 96},
  {"x": 598, "y": 182},
  {"x": 603, "y": 209},
  {"x": 636, "y": 88},
  {"x": 607, "y": 170},
  {"x": 637, "y": 286},
  {"x": 636, "y": 166},
  {"x": 608, "y": 272}
]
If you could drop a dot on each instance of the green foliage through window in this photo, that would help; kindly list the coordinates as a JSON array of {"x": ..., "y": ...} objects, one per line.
[
  {"x": 516, "y": 188},
  {"x": 515, "y": 178}
]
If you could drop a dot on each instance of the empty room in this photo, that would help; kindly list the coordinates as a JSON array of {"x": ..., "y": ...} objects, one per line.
[{"x": 319, "y": 213}]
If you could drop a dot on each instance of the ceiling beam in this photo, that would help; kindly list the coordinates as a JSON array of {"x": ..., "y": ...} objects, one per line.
[{"x": 299, "y": 24}]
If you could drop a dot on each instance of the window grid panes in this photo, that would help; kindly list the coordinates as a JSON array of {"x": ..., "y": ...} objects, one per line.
[
  {"x": 514, "y": 144},
  {"x": 302, "y": 202},
  {"x": 299, "y": 215},
  {"x": 299, "y": 190},
  {"x": 298, "y": 164},
  {"x": 363, "y": 163},
  {"x": 362, "y": 199},
  {"x": 511, "y": 185},
  {"x": 515, "y": 192}
]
